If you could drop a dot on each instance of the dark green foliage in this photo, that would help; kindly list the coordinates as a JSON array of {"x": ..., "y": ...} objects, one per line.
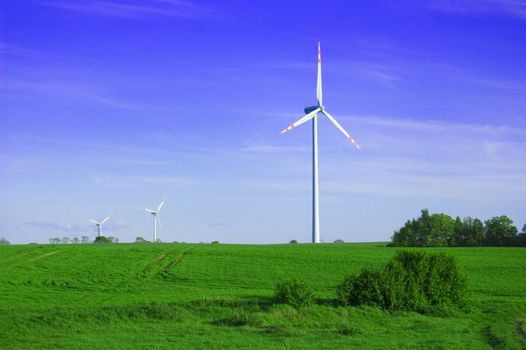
[
  {"x": 436, "y": 230},
  {"x": 4, "y": 241},
  {"x": 440, "y": 230},
  {"x": 472, "y": 233},
  {"x": 294, "y": 292},
  {"x": 363, "y": 289},
  {"x": 339, "y": 241},
  {"x": 102, "y": 239},
  {"x": 215, "y": 242},
  {"x": 140, "y": 240},
  {"x": 500, "y": 231},
  {"x": 293, "y": 242},
  {"x": 411, "y": 281}
]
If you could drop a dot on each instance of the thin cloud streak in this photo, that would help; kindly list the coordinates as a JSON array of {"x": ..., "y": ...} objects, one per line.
[
  {"x": 60, "y": 227},
  {"x": 146, "y": 9},
  {"x": 513, "y": 8}
]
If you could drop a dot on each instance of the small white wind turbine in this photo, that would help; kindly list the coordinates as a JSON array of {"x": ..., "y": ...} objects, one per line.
[
  {"x": 155, "y": 213},
  {"x": 312, "y": 113},
  {"x": 99, "y": 225}
]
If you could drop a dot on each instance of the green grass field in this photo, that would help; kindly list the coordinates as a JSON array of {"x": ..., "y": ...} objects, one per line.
[{"x": 220, "y": 296}]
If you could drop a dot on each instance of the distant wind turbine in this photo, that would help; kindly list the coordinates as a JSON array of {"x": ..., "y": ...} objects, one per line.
[
  {"x": 99, "y": 225},
  {"x": 155, "y": 214},
  {"x": 312, "y": 113}
]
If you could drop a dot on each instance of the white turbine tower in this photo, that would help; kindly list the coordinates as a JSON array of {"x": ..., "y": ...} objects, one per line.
[
  {"x": 99, "y": 225},
  {"x": 155, "y": 213},
  {"x": 312, "y": 113}
]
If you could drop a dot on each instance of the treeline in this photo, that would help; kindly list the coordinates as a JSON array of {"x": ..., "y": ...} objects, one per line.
[
  {"x": 441, "y": 230},
  {"x": 83, "y": 239}
]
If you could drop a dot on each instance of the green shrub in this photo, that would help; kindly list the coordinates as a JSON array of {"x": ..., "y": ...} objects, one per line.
[
  {"x": 412, "y": 281},
  {"x": 102, "y": 239},
  {"x": 362, "y": 289},
  {"x": 294, "y": 292}
]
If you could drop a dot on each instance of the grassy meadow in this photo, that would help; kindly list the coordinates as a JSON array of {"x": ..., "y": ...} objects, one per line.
[{"x": 220, "y": 296}]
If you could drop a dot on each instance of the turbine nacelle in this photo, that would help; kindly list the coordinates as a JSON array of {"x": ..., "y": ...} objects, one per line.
[{"x": 311, "y": 109}]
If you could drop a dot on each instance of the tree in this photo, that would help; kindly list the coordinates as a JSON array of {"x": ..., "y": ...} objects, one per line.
[
  {"x": 54, "y": 240},
  {"x": 339, "y": 241},
  {"x": 65, "y": 240},
  {"x": 522, "y": 237},
  {"x": 500, "y": 231},
  {"x": 472, "y": 233},
  {"x": 441, "y": 231},
  {"x": 404, "y": 237},
  {"x": 113, "y": 239},
  {"x": 458, "y": 230},
  {"x": 468, "y": 232},
  {"x": 293, "y": 241},
  {"x": 84, "y": 239},
  {"x": 75, "y": 240},
  {"x": 140, "y": 240},
  {"x": 102, "y": 239},
  {"x": 4, "y": 241}
]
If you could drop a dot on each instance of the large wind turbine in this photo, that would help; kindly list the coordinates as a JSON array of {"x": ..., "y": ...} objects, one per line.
[
  {"x": 155, "y": 212},
  {"x": 312, "y": 113},
  {"x": 99, "y": 225}
]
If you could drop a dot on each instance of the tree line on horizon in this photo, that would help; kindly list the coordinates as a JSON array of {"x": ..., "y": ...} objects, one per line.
[{"x": 441, "y": 230}]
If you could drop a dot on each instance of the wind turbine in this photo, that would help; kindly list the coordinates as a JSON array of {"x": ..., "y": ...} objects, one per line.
[
  {"x": 155, "y": 218},
  {"x": 99, "y": 225},
  {"x": 312, "y": 113}
]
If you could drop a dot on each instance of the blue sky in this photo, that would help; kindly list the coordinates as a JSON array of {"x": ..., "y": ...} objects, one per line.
[{"x": 108, "y": 106}]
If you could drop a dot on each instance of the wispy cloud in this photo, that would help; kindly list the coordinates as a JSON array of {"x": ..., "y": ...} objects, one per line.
[
  {"x": 59, "y": 227},
  {"x": 134, "y": 9},
  {"x": 514, "y": 8},
  {"x": 9, "y": 49},
  {"x": 115, "y": 225},
  {"x": 76, "y": 93}
]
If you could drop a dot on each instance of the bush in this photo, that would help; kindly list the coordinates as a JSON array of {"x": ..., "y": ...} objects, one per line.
[
  {"x": 102, "y": 239},
  {"x": 294, "y": 292},
  {"x": 363, "y": 289},
  {"x": 293, "y": 242},
  {"x": 411, "y": 281}
]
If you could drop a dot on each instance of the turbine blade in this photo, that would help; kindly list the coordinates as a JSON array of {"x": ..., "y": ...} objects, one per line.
[
  {"x": 302, "y": 120},
  {"x": 318, "y": 85},
  {"x": 335, "y": 122},
  {"x": 106, "y": 219},
  {"x": 161, "y": 205},
  {"x": 94, "y": 221},
  {"x": 149, "y": 210}
]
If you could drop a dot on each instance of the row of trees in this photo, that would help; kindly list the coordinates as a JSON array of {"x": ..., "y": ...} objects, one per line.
[
  {"x": 4, "y": 241},
  {"x": 441, "y": 230},
  {"x": 77, "y": 240}
]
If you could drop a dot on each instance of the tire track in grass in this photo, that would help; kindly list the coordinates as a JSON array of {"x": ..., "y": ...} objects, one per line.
[
  {"x": 164, "y": 270},
  {"x": 148, "y": 267},
  {"x": 42, "y": 256},
  {"x": 520, "y": 328}
]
